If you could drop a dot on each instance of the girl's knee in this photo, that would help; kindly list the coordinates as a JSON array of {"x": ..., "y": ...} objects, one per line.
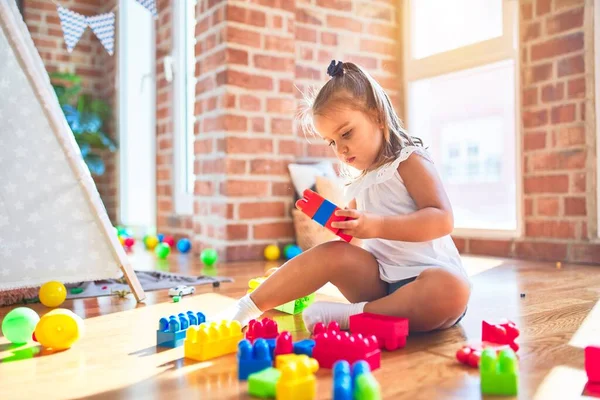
[{"x": 452, "y": 291}]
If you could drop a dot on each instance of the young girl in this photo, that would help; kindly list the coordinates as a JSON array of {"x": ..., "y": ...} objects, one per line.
[{"x": 407, "y": 265}]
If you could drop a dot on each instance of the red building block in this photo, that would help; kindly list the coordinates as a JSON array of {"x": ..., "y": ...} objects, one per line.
[
  {"x": 592, "y": 364},
  {"x": 265, "y": 329},
  {"x": 391, "y": 332},
  {"x": 284, "y": 344},
  {"x": 504, "y": 333},
  {"x": 471, "y": 353},
  {"x": 320, "y": 328},
  {"x": 310, "y": 204},
  {"x": 333, "y": 345}
]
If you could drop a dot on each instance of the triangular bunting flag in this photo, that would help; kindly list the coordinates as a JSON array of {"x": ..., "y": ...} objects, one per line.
[
  {"x": 103, "y": 26},
  {"x": 150, "y": 5},
  {"x": 73, "y": 26}
]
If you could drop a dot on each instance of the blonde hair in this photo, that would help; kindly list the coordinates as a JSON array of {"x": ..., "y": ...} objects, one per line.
[{"x": 351, "y": 86}]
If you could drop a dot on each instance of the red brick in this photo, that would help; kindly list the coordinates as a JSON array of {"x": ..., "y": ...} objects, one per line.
[
  {"x": 547, "y": 184},
  {"x": 576, "y": 88},
  {"x": 541, "y": 251},
  {"x": 237, "y": 231},
  {"x": 204, "y": 188},
  {"x": 553, "y": 92},
  {"x": 250, "y": 103},
  {"x": 325, "y": 56},
  {"x": 337, "y": 5},
  {"x": 281, "y": 125},
  {"x": 237, "y": 145},
  {"x": 257, "y": 124},
  {"x": 246, "y": 252},
  {"x": 579, "y": 182},
  {"x": 306, "y": 34},
  {"x": 279, "y": 44},
  {"x": 550, "y": 229},
  {"x": 268, "y": 167},
  {"x": 306, "y": 53},
  {"x": 241, "y": 36},
  {"x": 547, "y": 206},
  {"x": 271, "y": 209},
  {"x": 566, "y": 159},
  {"x": 565, "y": 21},
  {"x": 557, "y": 46},
  {"x": 286, "y": 86},
  {"x": 246, "y": 16},
  {"x": 542, "y": 7},
  {"x": 233, "y": 166},
  {"x": 460, "y": 243},
  {"x": 309, "y": 16},
  {"x": 372, "y": 10},
  {"x": 560, "y": 4},
  {"x": 378, "y": 46},
  {"x": 530, "y": 96},
  {"x": 214, "y": 166},
  {"x": 236, "y": 56},
  {"x": 538, "y": 73},
  {"x": 273, "y": 230},
  {"x": 288, "y": 147},
  {"x": 282, "y": 189},
  {"x": 585, "y": 253},
  {"x": 348, "y": 24},
  {"x": 277, "y": 21},
  {"x": 203, "y": 146},
  {"x": 227, "y": 100},
  {"x": 244, "y": 188},
  {"x": 575, "y": 206},
  {"x": 534, "y": 140},
  {"x": 285, "y": 64},
  {"x": 245, "y": 80},
  {"x": 281, "y": 105},
  {"x": 526, "y": 11},
  {"x": 531, "y": 32},
  {"x": 528, "y": 207},
  {"x": 389, "y": 31},
  {"x": 532, "y": 119},
  {"x": 569, "y": 136},
  {"x": 563, "y": 113},
  {"x": 570, "y": 66},
  {"x": 307, "y": 72},
  {"x": 329, "y": 39},
  {"x": 319, "y": 150},
  {"x": 498, "y": 248}
]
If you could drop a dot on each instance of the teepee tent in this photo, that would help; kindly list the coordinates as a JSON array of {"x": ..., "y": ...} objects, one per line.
[{"x": 53, "y": 225}]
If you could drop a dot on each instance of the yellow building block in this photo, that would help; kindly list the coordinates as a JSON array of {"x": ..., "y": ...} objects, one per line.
[
  {"x": 283, "y": 359},
  {"x": 211, "y": 340},
  {"x": 297, "y": 380}
]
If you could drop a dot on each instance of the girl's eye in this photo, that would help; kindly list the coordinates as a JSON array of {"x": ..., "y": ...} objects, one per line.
[{"x": 347, "y": 134}]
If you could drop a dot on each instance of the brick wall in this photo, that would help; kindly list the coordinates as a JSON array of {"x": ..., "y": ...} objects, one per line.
[
  {"x": 88, "y": 59},
  {"x": 558, "y": 136}
]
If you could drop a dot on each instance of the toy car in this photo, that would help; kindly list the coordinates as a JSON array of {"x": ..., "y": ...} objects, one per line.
[{"x": 181, "y": 290}]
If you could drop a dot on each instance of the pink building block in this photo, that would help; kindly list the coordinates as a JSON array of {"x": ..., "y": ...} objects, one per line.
[
  {"x": 391, "y": 332},
  {"x": 320, "y": 328},
  {"x": 592, "y": 363},
  {"x": 333, "y": 345},
  {"x": 265, "y": 329},
  {"x": 504, "y": 333},
  {"x": 283, "y": 344}
]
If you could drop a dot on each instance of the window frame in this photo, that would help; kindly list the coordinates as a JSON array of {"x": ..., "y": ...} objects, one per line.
[
  {"x": 183, "y": 104},
  {"x": 463, "y": 58}
]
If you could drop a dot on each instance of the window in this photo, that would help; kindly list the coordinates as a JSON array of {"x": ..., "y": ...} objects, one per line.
[
  {"x": 184, "y": 97},
  {"x": 461, "y": 71}
]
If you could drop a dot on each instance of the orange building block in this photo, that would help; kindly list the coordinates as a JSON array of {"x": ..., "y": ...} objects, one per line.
[
  {"x": 211, "y": 340},
  {"x": 297, "y": 380}
]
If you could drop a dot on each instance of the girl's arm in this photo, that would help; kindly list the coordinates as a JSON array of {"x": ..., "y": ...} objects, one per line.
[{"x": 434, "y": 217}]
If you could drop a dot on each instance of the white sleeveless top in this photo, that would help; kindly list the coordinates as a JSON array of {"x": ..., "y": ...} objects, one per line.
[{"x": 382, "y": 192}]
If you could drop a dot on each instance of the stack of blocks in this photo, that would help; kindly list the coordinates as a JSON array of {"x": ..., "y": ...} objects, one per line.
[
  {"x": 171, "y": 331},
  {"x": 499, "y": 372},
  {"x": 211, "y": 340},
  {"x": 358, "y": 384},
  {"x": 322, "y": 211}
]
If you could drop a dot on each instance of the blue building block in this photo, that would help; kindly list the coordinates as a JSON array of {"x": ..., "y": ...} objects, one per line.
[
  {"x": 271, "y": 343},
  {"x": 358, "y": 384},
  {"x": 304, "y": 347},
  {"x": 253, "y": 358},
  {"x": 324, "y": 212},
  {"x": 171, "y": 331}
]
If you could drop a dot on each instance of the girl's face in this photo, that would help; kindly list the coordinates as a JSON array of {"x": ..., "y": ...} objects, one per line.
[{"x": 353, "y": 135}]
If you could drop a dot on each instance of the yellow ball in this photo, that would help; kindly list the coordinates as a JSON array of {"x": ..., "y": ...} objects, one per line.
[
  {"x": 122, "y": 240},
  {"x": 59, "y": 329},
  {"x": 52, "y": 294},
  {"x": 272, "y": 252},
  {"x": 151, "y": 242}
]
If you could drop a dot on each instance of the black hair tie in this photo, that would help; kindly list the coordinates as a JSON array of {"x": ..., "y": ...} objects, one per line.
[{"x": 335, "y": 69}]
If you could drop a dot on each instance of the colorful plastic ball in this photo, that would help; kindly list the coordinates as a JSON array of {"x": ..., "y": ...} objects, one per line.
[
  {"x": 160, "y": 237},
  {"x": 52, "y": 294},
  {"x": 162, "y": 250},
  {"x": 129, "y": 242},
  {"x": 291, "y": 250},
  {"x": 150, "y": 242},
  {"x": 19, "y": 324},
  {"x": 59, "y": 329},
  {"x": 209, "y": 257},
  {"x": 272, "y": 252},
  {"x": 169, "y": 240},
  {"x": 184, "y": 245},
  {"x": 122, "y": 240},
  {"x": 122, "y": 231}
]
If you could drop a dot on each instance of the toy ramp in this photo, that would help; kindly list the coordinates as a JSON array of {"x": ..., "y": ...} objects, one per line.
[{"x": 53, "y": 225}]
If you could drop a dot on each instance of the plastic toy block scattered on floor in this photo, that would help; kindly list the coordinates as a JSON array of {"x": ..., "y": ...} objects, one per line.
[
  {"x": 253, "y": 358},
  {"x": 504, "y": 333},
  {"x": 592, "y": 369},
  {"x": 171, "y": 331},
  {"x": 265, "y": 329},
  {"x": 211, "y": 340},
  {"x": 304, "y": 347},
  {"x": 333, "y": 345},
  {"x": 320, "y": 328},
  {"x": 297, "y": 380},
  {"x": 359, "y": 384},
  {"x": 499, "y": 372},
  {"x": 391, "y": 332},
  {"x": 321, "y": 211},
  {"x": 283, "y": 344},
  {"x": 283, "y": 359},
  {"x": 470, "y": 354},
  {"x": 263, "y": 384}
]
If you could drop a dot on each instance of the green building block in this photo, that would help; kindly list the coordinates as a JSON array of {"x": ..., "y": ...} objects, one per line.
[
  {"x": 262, "y": 384},
  {"x": 296, "y": 306},
  {"x": 366, "y": 387},
  {"x": 499, "y": 372}
]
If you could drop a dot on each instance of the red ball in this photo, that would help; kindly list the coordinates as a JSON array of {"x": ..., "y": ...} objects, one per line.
[
  {"x": 129, "y": 242},
  {"x": 169, "y": 240},
  {"x": 462, "y": 355}
]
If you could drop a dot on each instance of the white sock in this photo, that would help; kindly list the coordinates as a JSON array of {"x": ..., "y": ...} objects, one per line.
[
  {"x": 325, "y": 312},
  {"x": 243, "y": 311}
]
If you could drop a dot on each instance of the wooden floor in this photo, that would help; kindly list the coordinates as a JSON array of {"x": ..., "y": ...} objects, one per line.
[{"x": 117, "y": 357}]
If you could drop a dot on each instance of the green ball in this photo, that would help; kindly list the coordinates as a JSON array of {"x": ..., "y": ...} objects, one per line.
[
  {"x": 209, "y": 257},
  {"x": 162, "y": 250},
  {"x": 19, "y": 324}
]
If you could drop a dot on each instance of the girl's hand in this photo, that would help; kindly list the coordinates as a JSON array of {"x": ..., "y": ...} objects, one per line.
[{"x": 362, "y": 226}]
